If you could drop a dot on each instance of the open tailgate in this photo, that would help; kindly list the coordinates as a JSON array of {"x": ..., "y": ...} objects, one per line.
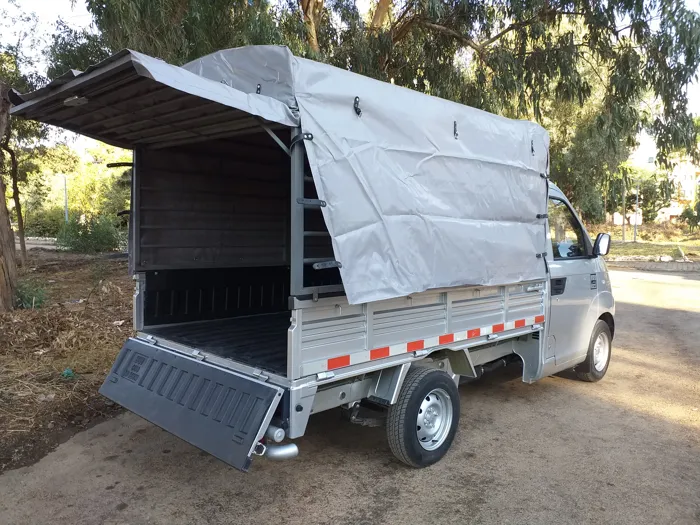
[{"x": 217, "y": 410}]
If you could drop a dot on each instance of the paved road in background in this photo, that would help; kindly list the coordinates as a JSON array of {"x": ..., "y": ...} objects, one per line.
[{"x": 625, "y": 450}]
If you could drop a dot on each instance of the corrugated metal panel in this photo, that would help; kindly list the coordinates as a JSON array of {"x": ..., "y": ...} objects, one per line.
[
  {"x": 485, "y": 307},
  {"x": 332, "y": 336},
  {"x": 122, "y": 103},
  {"x": 201, "y": 211},
  {"x": 524, "y": 301},
  {"x": 393, "y": 325}
]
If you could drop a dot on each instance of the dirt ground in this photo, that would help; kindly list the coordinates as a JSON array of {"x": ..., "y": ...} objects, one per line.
[
  {"x": 54, "y": 357},
  {"x": 625, "y": 450}
]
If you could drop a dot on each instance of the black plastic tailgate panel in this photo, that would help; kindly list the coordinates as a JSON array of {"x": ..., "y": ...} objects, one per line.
[{"x": 216, "y": 410}]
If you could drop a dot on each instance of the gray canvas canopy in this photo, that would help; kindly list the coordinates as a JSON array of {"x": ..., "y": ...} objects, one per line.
[{"x": 421, "y": 193}]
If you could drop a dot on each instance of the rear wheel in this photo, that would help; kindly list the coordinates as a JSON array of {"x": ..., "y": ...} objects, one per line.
[
  {"x": 599, "y": 350},
  {"x": 422, "y": 424}
]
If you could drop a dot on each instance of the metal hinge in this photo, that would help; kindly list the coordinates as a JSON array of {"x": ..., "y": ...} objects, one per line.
[
  {"x": 325, "y": 375},
  {"x": 420, "y": 353},
  {"x": 260, "y": 375},
  {"x": 199, "y": 356},
  {"x": 542, "y": 215}
]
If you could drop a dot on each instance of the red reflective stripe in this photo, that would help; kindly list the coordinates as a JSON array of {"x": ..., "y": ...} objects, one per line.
[
  {"x": 539, "y": 319},
  {"x": 498, "y": 328},
  {"x": 449, "y": 338},
  {"x": 476, "y": 332},
  {"x": 339, "y": 362},
  {"x": 415, "y": 345},
  {"x": 520, "y": 323},
  {"x": 378, "y": 353}
]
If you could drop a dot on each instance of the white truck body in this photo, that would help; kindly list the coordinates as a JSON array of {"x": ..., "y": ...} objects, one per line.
[{"x": 254, "y": 311}]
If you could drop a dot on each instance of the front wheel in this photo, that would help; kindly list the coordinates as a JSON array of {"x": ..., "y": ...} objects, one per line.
[
  {"x": 598, "y": 358},
  {"x": 422, "y": 424}
]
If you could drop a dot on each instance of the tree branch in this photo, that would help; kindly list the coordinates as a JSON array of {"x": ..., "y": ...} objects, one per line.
[
  {"x": 480, "y": 47},
  {"x": 454, "y": 34}
]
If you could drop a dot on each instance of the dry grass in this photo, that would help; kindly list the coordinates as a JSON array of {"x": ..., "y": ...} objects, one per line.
[
  {"x": 657, "y": 233},
  {"x": 86, "y": 319}
]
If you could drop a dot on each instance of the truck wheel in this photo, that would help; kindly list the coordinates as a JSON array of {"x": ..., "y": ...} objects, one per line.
[
  {"x": 599, "y": 349},
  {"x": 424, "y": 420}
]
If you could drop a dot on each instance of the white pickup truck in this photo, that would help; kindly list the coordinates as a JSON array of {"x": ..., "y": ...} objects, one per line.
[{"x": 304, "y": 238}]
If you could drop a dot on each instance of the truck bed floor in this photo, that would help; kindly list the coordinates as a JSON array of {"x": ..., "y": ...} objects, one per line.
[{"x": 257, "y": 340}]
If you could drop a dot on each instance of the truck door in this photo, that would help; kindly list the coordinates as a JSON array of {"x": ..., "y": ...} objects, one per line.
[{"x": 573, "y": 283}]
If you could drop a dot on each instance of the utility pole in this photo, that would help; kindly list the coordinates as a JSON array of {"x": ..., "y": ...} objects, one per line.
[
  {"x": 65, "y": 198},
  {"x": 636, "y": 213},
  {"x": 624, "y": 207}
]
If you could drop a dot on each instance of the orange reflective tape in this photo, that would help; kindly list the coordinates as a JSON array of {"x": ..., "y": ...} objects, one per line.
[
  {"x": 520, "y": 323},
  {"x": 498, "y": 328},
  {"x": 539, "y": 319},
  {"x": 415, "y": 345},
  {"x": 339, "y": 362},
  {"x": 449, "y": 338},
  {"x": 378, "y": 353},
  {"x": 476, "y": 332}
]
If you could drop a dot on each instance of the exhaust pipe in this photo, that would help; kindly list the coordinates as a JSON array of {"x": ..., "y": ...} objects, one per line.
[
  {"x": 275, "y": 434},
  {"x": 281, "y": 452}
]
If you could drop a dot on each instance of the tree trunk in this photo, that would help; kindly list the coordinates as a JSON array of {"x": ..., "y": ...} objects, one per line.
[
  {"x": 381, "y": 14},
  {"x": 8, "y": 266},
  {"x": 14, "y": 173},
  {"x": 312, "y": 10}
]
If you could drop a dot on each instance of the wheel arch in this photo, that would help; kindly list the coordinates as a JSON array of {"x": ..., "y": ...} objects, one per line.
[{"x": 610, "y": 321}]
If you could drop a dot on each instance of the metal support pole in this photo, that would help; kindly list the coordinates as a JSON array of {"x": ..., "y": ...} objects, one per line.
[
  {"x": 296, "y": 250},
  {"x": 624, "y": 207},
  {"x": 65, "y": 197},
  {"x": 636, "y": 213}
]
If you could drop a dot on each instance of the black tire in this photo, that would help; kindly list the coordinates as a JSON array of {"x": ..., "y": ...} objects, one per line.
[
  {"x": 586, "y": 371},
  {"x": 402, "y": 417}
]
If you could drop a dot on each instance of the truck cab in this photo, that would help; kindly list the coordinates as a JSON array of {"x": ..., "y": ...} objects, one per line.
[{"x": 580, "y": 291}]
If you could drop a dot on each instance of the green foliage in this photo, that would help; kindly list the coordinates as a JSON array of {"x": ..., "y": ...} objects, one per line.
[
  {"x": 89, "y": 235},
  {"x": 72, "y": 49},
  {"x": 654, "y": 193},
  {"x": 30, "y": 293},
  {"x": 44, "y": 222},
  {"x": 691, "y": 217}
]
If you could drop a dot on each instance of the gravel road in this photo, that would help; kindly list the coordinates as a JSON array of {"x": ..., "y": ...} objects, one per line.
[{"x": 625, "y": 450}]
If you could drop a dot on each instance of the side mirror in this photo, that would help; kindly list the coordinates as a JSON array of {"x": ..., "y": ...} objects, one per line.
[{"x": 602, "y": 244}]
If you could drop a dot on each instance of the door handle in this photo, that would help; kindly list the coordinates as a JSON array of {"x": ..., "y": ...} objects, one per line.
[{"x": 558, "y": 285}]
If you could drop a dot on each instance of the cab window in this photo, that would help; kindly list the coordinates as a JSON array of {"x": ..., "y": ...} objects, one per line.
[{"x": 567, "y": 235}]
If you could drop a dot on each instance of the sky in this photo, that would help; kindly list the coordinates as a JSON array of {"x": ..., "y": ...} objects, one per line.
[{"x": 76, "y": 15}]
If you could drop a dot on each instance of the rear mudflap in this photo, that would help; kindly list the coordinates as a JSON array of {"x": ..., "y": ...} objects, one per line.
[{"x": 217, "y": 410}]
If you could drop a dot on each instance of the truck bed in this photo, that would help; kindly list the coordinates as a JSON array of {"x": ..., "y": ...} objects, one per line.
[{"x": 256, "y": 340}]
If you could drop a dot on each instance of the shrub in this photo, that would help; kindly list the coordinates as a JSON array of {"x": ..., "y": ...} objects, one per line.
[
  {"x": 88, "y": 235},
  {"x": 30, "y": 294},
  {"x": 691, "y": 217},
  {"x": 44, "y": 222}
]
